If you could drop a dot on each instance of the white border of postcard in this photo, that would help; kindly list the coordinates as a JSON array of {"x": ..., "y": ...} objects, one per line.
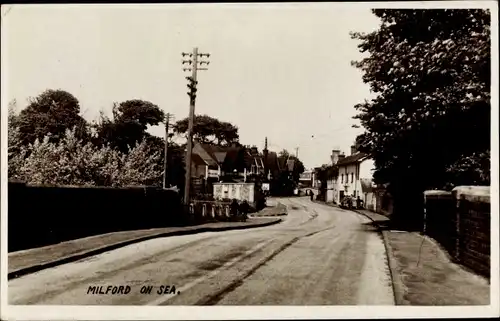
[{"x": 11, "y": 312}]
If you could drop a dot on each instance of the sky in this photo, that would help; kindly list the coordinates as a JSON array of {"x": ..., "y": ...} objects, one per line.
[{"x": 281, "y": 71}]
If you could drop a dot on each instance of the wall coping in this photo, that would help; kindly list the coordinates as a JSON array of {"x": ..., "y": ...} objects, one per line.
[
  {"x": 437, "y": 193},
  {"x": 472, "y": 193},
  {"x": 228, "y": 183}
]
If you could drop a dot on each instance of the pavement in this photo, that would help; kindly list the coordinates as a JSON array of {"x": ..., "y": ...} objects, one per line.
[
  {"x": 423, "y": 273},
  {"x": 317, "y": 255},
  {"x": 33, "y": 260}
]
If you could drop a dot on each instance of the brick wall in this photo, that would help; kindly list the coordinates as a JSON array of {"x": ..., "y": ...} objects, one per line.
[{"x": 460, "y": 221}]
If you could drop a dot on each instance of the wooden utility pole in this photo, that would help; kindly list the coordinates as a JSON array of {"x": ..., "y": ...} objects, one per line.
[
  {"x": 168, "y": 116},
  {"x": 192, "y": 94}
]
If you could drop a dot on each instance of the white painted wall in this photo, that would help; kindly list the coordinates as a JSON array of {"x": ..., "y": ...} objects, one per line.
[
  {"x": 239, "y": 191},
  {"x": 345, "y": 179}
]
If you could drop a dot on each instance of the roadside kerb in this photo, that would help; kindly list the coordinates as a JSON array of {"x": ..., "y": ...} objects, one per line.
[
  {"x": 181, "y": 231},
  {"x": 397, "y": 283}
]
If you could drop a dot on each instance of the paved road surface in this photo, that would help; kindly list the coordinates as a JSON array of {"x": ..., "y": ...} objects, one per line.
[{"x": 318, "y": 256}]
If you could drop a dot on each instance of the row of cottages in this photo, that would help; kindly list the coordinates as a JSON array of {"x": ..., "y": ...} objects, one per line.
[
  {"x": 237, "y": 163},
  {"x": 236, "y": 171},
  {"x": 355, "y": 178}
]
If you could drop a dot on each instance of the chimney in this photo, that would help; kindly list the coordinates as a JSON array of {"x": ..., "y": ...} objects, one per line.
[
  {"x": 341, "y": 157},
  {"x": 335, "y": 156},
  {"x": 254, "y": 150},
  {"x": 353, "y": 149}
]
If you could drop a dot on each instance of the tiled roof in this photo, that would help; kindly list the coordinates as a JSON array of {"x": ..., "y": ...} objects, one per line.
[
  {"x": 351, "y": 159},
  {"x": 197, "y": 160},
  {"x": 220, "y": 154}
]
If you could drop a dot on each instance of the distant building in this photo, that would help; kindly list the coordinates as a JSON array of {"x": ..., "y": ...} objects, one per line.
[
  {"x": 307, "y": 178},
  {"x": 355, "y": 177}
]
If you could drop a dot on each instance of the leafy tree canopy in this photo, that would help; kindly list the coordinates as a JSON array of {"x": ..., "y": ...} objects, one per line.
[
  {"x": 209, "y": 130},
  {"x": 71, "y": 161},
  {"x": 128, "y": 126},
  {"x": 430, "y": 71},
  {"x": 53, "y": 111},
  {"x": 298, "y": 168}
]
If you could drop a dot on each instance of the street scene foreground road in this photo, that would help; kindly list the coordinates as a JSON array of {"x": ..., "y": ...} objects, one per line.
[{"x": 319, "y": 255}]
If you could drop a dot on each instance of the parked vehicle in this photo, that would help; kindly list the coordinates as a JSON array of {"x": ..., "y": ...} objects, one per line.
[{"x": 347, "y": 202}]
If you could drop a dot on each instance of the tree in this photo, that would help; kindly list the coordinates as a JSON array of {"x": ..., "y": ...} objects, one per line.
[
  {"x": 71, "y": 161},
  {"x": 53, "y": 111},
  {"x": 128, "y": 125},
  {"x": 13, "y": 135},
  {"x": 209, "y": 130},
  {"x": 470, "y": 170},
  {"x": 430, "y": 72},
  {"x": 287, "y": 180},
  {"x": 284, "y": 153}
]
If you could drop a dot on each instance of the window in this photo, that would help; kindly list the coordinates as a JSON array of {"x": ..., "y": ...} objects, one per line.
[
  {"x": 342, "y": 178},
  {"x": 352, "y": 177}
]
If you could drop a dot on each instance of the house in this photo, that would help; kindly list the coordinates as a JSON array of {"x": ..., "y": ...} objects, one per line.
[
  {"x": 307, "y": 178},
  {"x": 254, "y": 161},
  {"x": 355, "y": 177},
  {"x": 219, "y": 160},
  {"x": 236, "y": 162},
  {"x": 199, "y": 167}
]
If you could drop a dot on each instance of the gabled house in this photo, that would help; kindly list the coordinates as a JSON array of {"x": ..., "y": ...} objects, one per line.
[
  {"x": 355, "y": 176},
  {"x": 219, "y": 160},
  {"x": 254, "y": 161},
  {"x": 236, "y": 161}
]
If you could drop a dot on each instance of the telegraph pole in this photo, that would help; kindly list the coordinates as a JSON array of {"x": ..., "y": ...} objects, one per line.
[
  {"x": 168, "y": 116},
  {"x": 193, "y": 62},
  {"x": 296, "y": 152}
]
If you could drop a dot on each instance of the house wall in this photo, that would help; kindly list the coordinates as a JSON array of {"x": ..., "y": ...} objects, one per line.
[
  {"x": 353, "y": 184},
  {"x": 366, "y": 168},
  {"x": 370, "y": 201},
  {"x": 198, "y": 170},
  {"x": 332, "y": 193},
  {"x": 360, "y": 170}
]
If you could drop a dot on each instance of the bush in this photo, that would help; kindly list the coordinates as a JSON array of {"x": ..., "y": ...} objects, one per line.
[{"x": 71, "y": 162}]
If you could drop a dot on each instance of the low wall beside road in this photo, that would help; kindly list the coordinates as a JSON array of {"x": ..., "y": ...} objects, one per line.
[
  {"x": 460, "y": 221},
  {"x": 43, "y": 215}
]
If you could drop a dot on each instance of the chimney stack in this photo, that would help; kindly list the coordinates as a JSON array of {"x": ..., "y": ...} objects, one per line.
[
  {"x": 341, "y": 157},
  {"x": 335, "y": 156},
  {"x": 353, "y": 149}
]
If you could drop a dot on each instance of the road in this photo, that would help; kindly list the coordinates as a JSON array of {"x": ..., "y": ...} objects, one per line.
[{"x": 319, "y": 255}]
